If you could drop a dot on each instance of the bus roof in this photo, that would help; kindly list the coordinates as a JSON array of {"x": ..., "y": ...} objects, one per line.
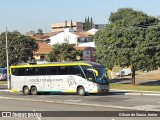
[{"x": 86, "y": 63}]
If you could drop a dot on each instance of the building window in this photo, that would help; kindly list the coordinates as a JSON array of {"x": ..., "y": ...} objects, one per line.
[{"x": 42, "y": 57}]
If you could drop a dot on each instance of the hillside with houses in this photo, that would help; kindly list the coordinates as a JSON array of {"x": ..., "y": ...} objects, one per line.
[{"x": 73, "y": 33}]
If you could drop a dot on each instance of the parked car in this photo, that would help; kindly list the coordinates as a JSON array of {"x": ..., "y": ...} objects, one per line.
[{"x": 124, "y": 72}]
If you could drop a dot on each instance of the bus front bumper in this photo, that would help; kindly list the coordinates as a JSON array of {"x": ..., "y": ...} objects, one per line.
[{"x": 103, "y": 88}]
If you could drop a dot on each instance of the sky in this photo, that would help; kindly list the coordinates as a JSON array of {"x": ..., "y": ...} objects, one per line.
[{"x": 30, "y": 15}]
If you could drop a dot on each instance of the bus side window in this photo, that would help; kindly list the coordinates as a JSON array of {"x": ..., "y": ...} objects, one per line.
[
  {"x": 63, "y": 70},
  {"x": 30, "y": 71},
  {"x": 40, "y": 71},
  {"x": 72, "y": 70},
  {"x": 75, "y": 70},
  {"x": 14, "y": 71},
  {"x": 51, "y": 70},
  {"x": 21, "y": 71}
]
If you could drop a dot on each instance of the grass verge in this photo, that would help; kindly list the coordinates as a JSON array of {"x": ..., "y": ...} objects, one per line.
[
  {"x": 3, "y": 82},
  {"x": 134, "y": 87}
]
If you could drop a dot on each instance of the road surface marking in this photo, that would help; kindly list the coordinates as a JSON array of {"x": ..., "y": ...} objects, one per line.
[
  {"x": 73, "y": 100},
  {"x": 5, "y": 90},
  {"x": 146, "y": 107},
  {"x": 37, "y": 117}
]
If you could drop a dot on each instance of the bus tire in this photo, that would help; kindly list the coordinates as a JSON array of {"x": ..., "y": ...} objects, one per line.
[
  {"x": 33, "y": 90},
  {"x": 81, "y": 91},
  {"x": 26, "y": 90}
]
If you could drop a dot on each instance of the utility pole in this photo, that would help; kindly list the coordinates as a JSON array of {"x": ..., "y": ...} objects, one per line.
[{"x": 8, "y": 79}]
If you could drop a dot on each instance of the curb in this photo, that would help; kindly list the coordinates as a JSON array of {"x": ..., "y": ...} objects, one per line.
[
  {"x": 134, "y": 92},
  {"x": 118, "y": 92},
  {"x": 4, "y": 90}
]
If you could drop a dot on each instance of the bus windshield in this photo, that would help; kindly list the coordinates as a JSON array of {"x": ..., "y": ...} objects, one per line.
[{"x": 102, "y": 77}]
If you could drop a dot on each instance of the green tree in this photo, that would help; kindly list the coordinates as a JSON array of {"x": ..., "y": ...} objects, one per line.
[
  {"x": 131, "y": 39},
  {"x": 71, "y": 24},
  {"x": 65, "y": 23},
  {"x": 85, "y": 24},
  {"x": 63, "y": 52},
  {"x": 88, "y": 24},
  {"x": 39, "y": 32},
  {"x": 91, "y": 23},
  {"x": 20, "y": 48}
]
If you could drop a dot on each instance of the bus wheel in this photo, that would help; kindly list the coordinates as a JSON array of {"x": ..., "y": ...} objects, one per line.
[
  {"x": 81, "y": 91},
  {"x": 33, "y": 90},
  {"x": 26, "y": 90}
]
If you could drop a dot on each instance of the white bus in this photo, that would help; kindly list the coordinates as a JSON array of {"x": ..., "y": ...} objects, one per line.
[{"x": 60, "y": 77}]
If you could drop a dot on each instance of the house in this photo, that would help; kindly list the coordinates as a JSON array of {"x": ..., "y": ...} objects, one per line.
[
  {"x": 88, "y": 53},
  {"x": 70, "y": 36},
  {"x": 43, "y": 50},
  {"x": 87, "y": 44},
  {"x": 43, "y": 37},
  {"x": 82, "y": 41},
  {"x": 92, "y": 31}
]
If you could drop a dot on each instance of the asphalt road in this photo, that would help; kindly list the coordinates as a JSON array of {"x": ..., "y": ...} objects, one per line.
[
  {"x": 18, "y": 102},
  {"x": 118, "y": 101},
  {"x": 16, "y": 105}
]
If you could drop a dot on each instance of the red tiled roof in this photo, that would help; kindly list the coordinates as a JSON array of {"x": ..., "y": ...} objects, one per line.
[
  {"x": 80, "y": 48},
  {"x": 43, "y": 48},
  {"x": 40, "y": 37},
  {"x": 84, "y": 48},
  {"x": 81, "y": 34},
  {"x": 43, "y": 36}
]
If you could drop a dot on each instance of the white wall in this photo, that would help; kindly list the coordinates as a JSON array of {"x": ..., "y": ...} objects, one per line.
[
  {"x": 72, "y": 38},
  {"x": 67, "y": 37},
  {"x": 63, "y": 37},
  {"x": 57, "y": 38},
  {"x": 87, "y": 44}
]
